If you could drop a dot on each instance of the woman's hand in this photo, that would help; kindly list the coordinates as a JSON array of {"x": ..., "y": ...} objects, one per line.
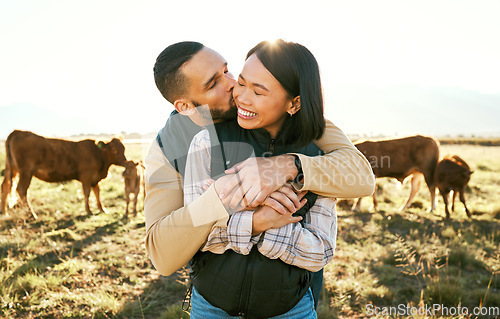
[
  {"x": 266, "y": 217},
  {"x": 285, "y": 200}
]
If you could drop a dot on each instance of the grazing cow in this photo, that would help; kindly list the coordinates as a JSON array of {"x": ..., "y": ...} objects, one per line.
[
  {"x": 399, "y": 158},
  {"x": 133, "y": 176},
  {"x": 56, "y": 160},
  {"x": 452, "y": 174}
]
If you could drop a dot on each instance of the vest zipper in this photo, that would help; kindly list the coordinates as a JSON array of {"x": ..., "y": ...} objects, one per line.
[
  {"x": 271, "y": 146},
  {"x": 245, "y": 289}
]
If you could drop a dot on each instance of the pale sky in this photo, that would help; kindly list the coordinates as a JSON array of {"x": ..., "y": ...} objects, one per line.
[{"x": 90, "y": 62}]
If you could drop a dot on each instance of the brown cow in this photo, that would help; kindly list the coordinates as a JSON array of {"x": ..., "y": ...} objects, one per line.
[
  {"x": 399, "y": 158},
  {"x": 133, "y": 177},
  {"x": 452, "y": 174},
  {"x": 56, "y": 160}
]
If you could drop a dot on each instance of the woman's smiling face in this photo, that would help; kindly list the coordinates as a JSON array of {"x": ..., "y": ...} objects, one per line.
[{"x": 261, "y": 100}]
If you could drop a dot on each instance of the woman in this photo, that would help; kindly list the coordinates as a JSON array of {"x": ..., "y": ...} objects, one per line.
[{"x": 260, "y": 265}]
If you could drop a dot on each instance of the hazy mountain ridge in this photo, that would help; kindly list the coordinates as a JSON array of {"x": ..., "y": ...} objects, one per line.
[
  {"x": 361, "y": 111},
  {"x": 408, "y": 109},
  {"x": 28, "y": 117}
]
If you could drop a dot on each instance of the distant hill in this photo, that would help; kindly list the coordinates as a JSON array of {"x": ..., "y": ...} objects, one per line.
[
  {"x": 410, "y": 109},
  {"x": 360, "y": 111},
  {"x": 40, "y": 121}
]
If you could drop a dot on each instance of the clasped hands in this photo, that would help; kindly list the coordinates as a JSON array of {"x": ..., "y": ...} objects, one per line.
[{"x": 262, "y": 184}]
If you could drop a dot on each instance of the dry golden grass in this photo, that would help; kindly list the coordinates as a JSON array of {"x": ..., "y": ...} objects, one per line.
[{"x": 70, "y": 264}]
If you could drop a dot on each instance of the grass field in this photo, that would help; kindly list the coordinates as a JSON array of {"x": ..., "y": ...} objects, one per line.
[{"x": 68, "y": 264}]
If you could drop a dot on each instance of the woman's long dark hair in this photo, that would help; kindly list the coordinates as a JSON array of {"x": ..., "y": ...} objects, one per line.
[{"x": 297, "y": 70}]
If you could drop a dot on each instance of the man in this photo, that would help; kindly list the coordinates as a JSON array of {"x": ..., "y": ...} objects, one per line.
[{"x": 196, "y": 81}]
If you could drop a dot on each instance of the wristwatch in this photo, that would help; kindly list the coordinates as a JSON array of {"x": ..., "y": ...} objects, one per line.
[{"x": 300, "y": 174}]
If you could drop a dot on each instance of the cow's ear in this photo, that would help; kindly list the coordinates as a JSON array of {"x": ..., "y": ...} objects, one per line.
[{"x": 101, "y": 144}]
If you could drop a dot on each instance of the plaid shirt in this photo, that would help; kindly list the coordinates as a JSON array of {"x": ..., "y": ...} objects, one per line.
[{"x": 310, "y": 246}]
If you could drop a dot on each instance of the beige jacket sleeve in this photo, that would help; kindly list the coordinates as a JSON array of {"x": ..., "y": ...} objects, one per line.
[
  {"x": 343, "y": 172},
  {"x": 172, "y": 238},
  {"x": 175, "y": 233}
]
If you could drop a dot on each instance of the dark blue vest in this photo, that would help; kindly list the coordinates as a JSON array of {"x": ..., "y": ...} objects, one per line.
[
  {"x": 252, "y": 286},
  {"x": 175, "y": 137}
]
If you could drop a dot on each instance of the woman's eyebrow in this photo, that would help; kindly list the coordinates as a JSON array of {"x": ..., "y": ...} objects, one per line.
[{"x": 255, "y": 84}]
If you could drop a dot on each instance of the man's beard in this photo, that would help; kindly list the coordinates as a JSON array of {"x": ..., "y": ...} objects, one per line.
[{"x": 217, "y": 114}]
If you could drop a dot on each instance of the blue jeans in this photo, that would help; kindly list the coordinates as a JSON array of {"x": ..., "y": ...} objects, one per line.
[{"x": 202, "y": 309}]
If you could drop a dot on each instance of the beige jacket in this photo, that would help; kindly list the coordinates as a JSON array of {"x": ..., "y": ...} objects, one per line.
[{"x": 172, "y": 238}]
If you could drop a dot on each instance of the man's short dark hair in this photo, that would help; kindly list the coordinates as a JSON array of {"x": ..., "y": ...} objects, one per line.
[{"x": 171, "y": 82}]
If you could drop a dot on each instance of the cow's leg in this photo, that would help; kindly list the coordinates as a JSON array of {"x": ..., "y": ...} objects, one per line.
[
  {"x": 7, "y": 182},
  {"x": 86, "y": 195},
  {"x": 432, "y": 190},
  {"x": 453, "y": 200},
  {"x": 445, "y": 200},
  {"x": 416, "y": 179},
  {"x": 96, "y": 190},
  {"x": 6, "y": 187},
  {"x": 462, "y": 199},
  {"x": 357, "y": 205},
  {"x": 127, "y": 198},
  {"x": 22, "y": 191},
  {"x": 136, "y": 194},
  {"x": 431, "y": 184}
]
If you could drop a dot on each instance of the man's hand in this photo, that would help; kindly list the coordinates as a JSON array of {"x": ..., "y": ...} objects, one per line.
[
  {"x": 266, "y": 217},
  {"x": 254, "y": 179},
  {"x": 286, "y": 200}
]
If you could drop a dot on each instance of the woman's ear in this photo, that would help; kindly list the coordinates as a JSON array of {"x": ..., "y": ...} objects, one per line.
[
  {"x": 184, "y": 107},
  {"x": 295, "y": 106}
]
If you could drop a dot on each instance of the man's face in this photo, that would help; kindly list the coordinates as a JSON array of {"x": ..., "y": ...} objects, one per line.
[{"x": 211, "y": 84}]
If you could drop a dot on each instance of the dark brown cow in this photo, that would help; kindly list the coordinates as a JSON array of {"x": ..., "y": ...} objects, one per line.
[
  {"x": 133, "y": 176},
  {"x": 56, "y": 160},
  {"x": 399, "y": 158},
  {"x": 452, "y": 174}
]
